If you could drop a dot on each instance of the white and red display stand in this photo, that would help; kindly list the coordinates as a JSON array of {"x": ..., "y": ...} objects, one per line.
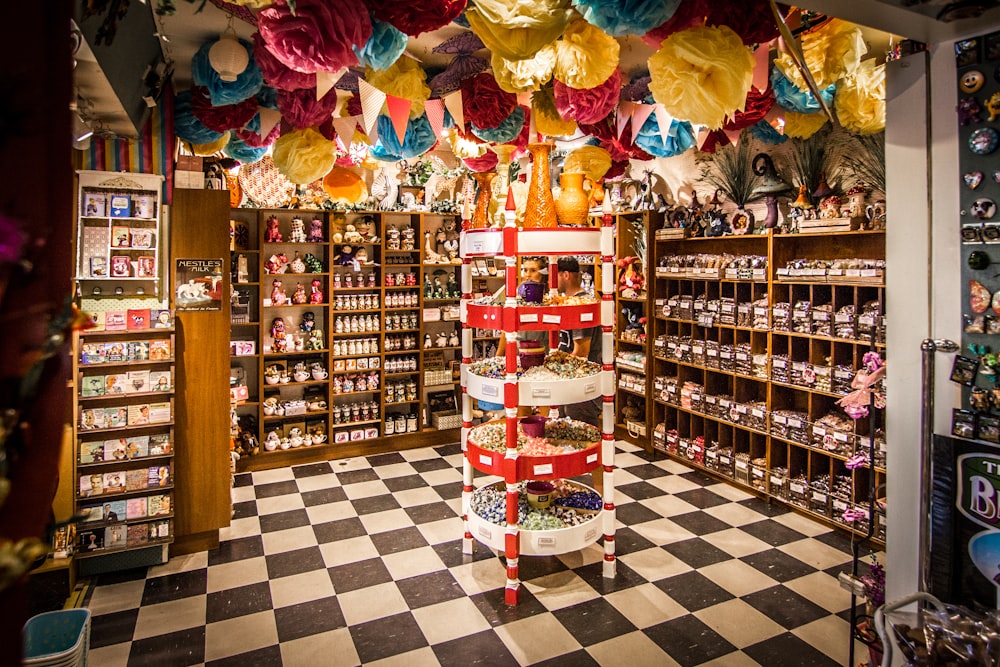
[{"x": 510, "y": 242}]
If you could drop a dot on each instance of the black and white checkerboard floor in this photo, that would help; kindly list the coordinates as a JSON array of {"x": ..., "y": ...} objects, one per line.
[{"x": 359, "y": 562}]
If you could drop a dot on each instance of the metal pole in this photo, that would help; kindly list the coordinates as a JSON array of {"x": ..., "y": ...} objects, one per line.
[{"x": 928, "y": 347}]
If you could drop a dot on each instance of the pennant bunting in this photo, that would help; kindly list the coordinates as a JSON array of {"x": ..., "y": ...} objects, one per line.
[
  {"x": 702, "y": 136},
  {"x": 625, "y": 111},
  {"x": 399, "y": 112},
  {"x": 639, "y": 115},
  {"x": 453, "y": 102},
  {"x": 524, "y": 98},
  {"x": 268, "y": 119},
  {"x": 372, "y": 100},
  {"x": 327, "y": 80},
  {"x": 435, "y": 114},
  {"x": 734, "y": 136},
  {"x": 663, "y": 120},
  {"x": 760, "y": 70},
  {"x": 345, "y": 129}
]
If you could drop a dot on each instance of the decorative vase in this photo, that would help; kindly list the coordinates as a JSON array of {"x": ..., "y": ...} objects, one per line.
[
  {"x": 501, "y": 183},
  {"x": 481, "y": 215},
  {"x": 540, "y": 209},
  {"x": 573, "y": 205}
]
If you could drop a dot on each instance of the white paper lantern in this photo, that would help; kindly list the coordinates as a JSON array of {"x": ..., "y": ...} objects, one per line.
[{"x": 228, "y": 57}]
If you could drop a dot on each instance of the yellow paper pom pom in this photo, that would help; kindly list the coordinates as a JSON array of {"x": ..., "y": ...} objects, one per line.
[
  {"x": 462, "y": 147},
  {"x": 520, "y": 29},
  {"x": 521, "y": 76},
  {"x": 210, "y": 148},
  {"x": 861, "y": 99},
  {"x": 304, "y": 156},
  {"x": 345, "y": 185},
  {"x": 593, "y": 161},
  {"x": 253, "y": 4},
  {"x": 547, "y": 118},
  {"x": 803, "y": 125},
  {"x": 406, "y": 79},
  {"x": 585, "y": 56},
  {"x": 831, "y": 52},
  {"x": 702, "y": 74}
]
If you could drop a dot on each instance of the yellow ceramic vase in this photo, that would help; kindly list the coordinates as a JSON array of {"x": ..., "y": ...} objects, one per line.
[
  {"x": 540, "y": 209},
  {"x": 573, "y": 204}
]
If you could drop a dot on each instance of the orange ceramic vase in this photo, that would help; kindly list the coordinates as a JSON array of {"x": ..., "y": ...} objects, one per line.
[
  {"x": 573, "y": 204},
  {"x": 481, "y": 215},
  {"x": 540, "y": 209}
]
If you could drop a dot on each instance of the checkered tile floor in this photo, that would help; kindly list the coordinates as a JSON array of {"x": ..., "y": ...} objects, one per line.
[{"x": 359, "y": 562}]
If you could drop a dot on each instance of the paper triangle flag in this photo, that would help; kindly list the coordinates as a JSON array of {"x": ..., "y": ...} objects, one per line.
[
  {"x": 639, "y": 115},
  {"x": 327, "y": 80},
  {"x": 453, "y": 102},
  {"x": 399, "y": 112},
  {"x": 625, "y": 110},
  {"x": 703, "y": 133},
  {"x": 372, "y": 100},
  {"x": 268, "y": 119},
  {"x": 663, "y": 120},
  {"x": 524, "y": 98},
  {"x": 734, "y": 136},
  {"x": 760, "y": 71},
  {"x": 435, "y": 114},
  {"x": 345, "y": 129}
]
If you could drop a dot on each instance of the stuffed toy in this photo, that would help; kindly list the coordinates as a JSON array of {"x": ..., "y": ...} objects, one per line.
[
  {"x": 344, "y": 256},
  {"x": 351, "y": 235}
]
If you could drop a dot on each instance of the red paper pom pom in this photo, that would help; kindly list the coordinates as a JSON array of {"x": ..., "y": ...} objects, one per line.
[
  {"x": 589, "y": 105},
  {"x": 757, "y": 105},
  {"x": 689, "y": 13},
  {"x": 254, "y": 140},
  {"x": 318, "y": 36},
  {"x": 618, "y": 168},
  {"x": 301, "y": 108},
  {"x": 488, "y": 162},
  {"x": 224, "y": 118},
  {"x": 416, "y": 16},
  {"x": 276, "y": 74},
  {"x": 752, "y": 20},
  {"x": 621, "y": 148},
  {"x": 485, "y": 104}
]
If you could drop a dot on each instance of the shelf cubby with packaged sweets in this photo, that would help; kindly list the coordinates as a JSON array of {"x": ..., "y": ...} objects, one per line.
[{"x": 755, "y": 340}]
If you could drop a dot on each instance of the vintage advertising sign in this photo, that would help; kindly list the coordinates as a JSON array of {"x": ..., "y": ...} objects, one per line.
[{"x": 198, "y": 284}]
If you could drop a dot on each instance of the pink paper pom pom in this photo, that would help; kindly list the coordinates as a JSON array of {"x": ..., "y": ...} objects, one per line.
[
  {"x": 416, "y": 16},
  {"x": 592, "y": 104},
  {"x": 318, "y": 37},
  {"x": 301, "y": 109}
]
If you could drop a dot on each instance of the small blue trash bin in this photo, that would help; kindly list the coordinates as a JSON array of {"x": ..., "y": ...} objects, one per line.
[{"x": 57, "y": 638}]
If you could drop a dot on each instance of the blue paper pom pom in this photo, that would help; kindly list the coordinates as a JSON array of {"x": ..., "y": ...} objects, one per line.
[
  {"x": 763, "y": 131},
  {"x": 187, "y": 126},
  {"x": 626, "y": 17},
  {"x": 419, "y": 139},
  {"x": 680, "y": 137},
  {"x": 386, "y": 44},
  {"x": 221, "y": 92},
  {"x": 268, "y": 97},
  {"x": 242, "y": 153},
  {"x": 788, "y": 96},
  {"x": 506, "y": 131}
]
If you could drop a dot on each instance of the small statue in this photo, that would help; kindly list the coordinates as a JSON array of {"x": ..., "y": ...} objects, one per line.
[
  {"x": 316, "y": 293},
  {"x": 441, "y": 340},
  {"x": 278, "y": 337},
  {"x": 276, "y": 263},
  {"x": 428, "y": 286},
  {"x": 453, "y": 291},
  {"x": 273, "y": 234},
  {"x": 453, "y": 338},
  {"x": 300, "y": 297},
  {"x": 315, "y": 340},
  {"x": 298, "y": 234},
  {"x": 438, "y": 288},
  {"x": 297, "y": 265},
  {"x": 278, "y": 295},
  {"x": 316, "y": 231},
  {"x": 308, "y": 322},
  {"x": 427, "y": 340}
]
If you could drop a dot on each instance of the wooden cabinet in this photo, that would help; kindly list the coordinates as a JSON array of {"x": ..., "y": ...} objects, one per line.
[{"x": 755, "y": 339}]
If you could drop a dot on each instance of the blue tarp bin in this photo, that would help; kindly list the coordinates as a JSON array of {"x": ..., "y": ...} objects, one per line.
[{"x": 57, "y": 638}]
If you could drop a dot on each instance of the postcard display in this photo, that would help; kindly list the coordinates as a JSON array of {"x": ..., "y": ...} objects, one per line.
[
  {"x": 118, "y": 234},
  {"x": 535, "y": 469},
  {"x": 124, "y": 441}
]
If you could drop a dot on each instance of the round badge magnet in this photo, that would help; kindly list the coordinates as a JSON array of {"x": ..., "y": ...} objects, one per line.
[
  {"x": 971, "y": 81},
  {"x": 983, "y": 141}
]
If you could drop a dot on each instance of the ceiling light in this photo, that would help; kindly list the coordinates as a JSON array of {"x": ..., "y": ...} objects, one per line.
[{"x": 227, "y": 56}]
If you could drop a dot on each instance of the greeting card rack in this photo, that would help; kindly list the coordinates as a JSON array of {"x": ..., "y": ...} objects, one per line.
[{"x": 511, "y": 465}]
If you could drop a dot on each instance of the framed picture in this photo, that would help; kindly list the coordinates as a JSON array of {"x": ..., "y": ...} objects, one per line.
[
  {"x": 198, "y": 284},
  {"x": 94, "y": 205},
  {"x": 146, "y": 267},
  {"x": 141, "y": 237},
  {"x": 120, "y": 267}
]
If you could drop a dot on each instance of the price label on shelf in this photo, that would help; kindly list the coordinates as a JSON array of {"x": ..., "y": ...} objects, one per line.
[
  {"x": 541, "y": 392},
  {"x": 490, "y": 390},
  {"x": 551, "y": 319},
  {"x": 543, "y": 469},
  {"x": 586, "y": 317},
  {"x": 486, "y": 460},
  {"x": 528, "y": 318}
]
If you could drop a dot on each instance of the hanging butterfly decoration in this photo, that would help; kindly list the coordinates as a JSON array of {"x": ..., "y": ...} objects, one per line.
[{"x": 463, "y": 66}]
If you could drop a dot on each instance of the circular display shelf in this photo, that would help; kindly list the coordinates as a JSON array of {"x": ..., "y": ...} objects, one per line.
[
  {"x": 554, "y": 466},
  {"x": 549, "y": 241},
  {"x": 536, "y": 318},
  {"x": 538, "y": 392},
  {"x": 539, "y": 542}
]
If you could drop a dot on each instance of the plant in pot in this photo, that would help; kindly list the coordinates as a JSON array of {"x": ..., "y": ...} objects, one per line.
[{"x": 730, "y": 171}]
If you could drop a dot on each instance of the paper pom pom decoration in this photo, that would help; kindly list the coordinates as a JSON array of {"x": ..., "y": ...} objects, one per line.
[
  {"x": 702, "y": 74},
  {"x": 620, "y": 147},
  {"x": 250, "y": 135},
  {"x": 752, "y": 20},
  {"x": 763, "y": 131},
  {"x": 626, "y": 17},
  {"x": 521, "y": 76},
  {"x": 211, "y": 147},
  {"x": 464, "y": 64},
  {"x": 505, "y": 132},
  {"x": 593, "y": 161},
  {"x": 406, "y": 79},
  {"x": 382, "y": 49},
  {"x": 831, "y": 51},
  {"x": 419, "y": 138},
  {"x": 488, "y": 162},
  {"x": 803, "y": 126},
  {"x": 518, "y": 30},
  {"x": 757, "y": 105},
  {"x": 318, "y": 36},
  {"x": 187, "y": 127},
  {"x": 680, "y": 138},
  {"x": 304, "y": 156},
  {"x": 547, "y": 118},
  {"x": 221, "y": 118},
  {"x": 463, "y": 148},
  {"x": 484, "y": 104},
  {"x": 416, "y": 16},
  {"x": 637, "y": 90},
  {"x": 791, "y": 97},
  {"x": 585, "y": 56},
  {"x": 591, "y": 105},
  {"x": 689, "y": 14},
  {"x": 861, "y": 99},
  {"x": 301, "y": 109},
  {"x": 275, "y": 72},
  {"x": 344, "y": 185},
  {"x": 242, "y": 153},
  {"x": 222, "y": 92}
]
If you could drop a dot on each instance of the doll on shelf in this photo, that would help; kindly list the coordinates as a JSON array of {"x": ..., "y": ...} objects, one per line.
[
  {"x": 278, "y": 295},
  {"x": 279, "y": 339}
]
